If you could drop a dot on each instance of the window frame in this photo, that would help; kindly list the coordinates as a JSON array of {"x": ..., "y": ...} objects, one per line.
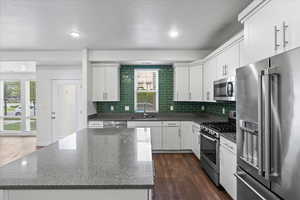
[
  {"x": 156, "y": 91},
  {"x": 24, "y": 130}
]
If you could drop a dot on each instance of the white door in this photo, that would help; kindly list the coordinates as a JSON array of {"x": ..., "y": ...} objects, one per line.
[{"x": 66, "y": 108}]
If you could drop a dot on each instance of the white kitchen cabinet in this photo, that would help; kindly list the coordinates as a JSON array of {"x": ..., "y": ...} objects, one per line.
[
  {"x": 227, "y": 62},
  {"x": 265, "y": 34},
  {"x": 106, "y": 82},
  {"x": 181, "y": 82},
  {"x": 209, "y": 76},
  {"x": 196, "y": 140},
  {"x": 171, "y": 136},
  {"x": 187, "y": 135},
  {"x": 155, "y": 130},
  {"x": 228, "y": 164},
  {"x": 196, "y": 82}
]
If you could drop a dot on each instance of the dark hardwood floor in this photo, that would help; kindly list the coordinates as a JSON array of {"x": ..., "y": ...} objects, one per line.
[{"x": 180, "y": 177}]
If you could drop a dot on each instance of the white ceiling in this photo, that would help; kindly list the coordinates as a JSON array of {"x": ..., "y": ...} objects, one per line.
[{"x": 117, "y": 24}]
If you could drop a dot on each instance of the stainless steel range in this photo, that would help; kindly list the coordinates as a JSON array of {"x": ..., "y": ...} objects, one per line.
[{"x": 210, "y": 134}]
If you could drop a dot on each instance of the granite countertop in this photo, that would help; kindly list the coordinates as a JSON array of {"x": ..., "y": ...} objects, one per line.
[
  {"x": 172, "y": 116},
  {"x": 88, "y": 159}
]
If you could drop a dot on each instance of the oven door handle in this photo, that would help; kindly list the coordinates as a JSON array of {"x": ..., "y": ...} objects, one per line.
[{"x": 209, "y": 138}]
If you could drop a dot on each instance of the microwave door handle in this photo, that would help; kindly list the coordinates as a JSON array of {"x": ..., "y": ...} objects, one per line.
[{"x": 229, "y": 88}]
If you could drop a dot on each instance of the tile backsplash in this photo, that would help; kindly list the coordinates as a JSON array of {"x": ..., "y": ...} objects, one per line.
[{"x": 165, "y": 95}]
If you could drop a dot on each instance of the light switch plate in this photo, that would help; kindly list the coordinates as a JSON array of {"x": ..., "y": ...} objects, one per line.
[
  {"x": 112, "y": 108},
  {"x": 223, "y": 111},
  {"x": 126, "y": 108},
  {"x": 171, "y": 108}
]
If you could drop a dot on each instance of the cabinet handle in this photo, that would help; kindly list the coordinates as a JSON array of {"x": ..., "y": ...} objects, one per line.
[
  {"x": 284, "y": 28},
  {"x": 190, "y": 96},
  {"x": 276, "y": 45},
  {"x": 207, "y": 96}
]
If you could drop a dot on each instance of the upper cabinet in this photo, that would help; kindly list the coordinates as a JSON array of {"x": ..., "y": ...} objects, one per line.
[
  {"x": 209, "y": 76},
  {"x": 181, "y": 82},
  {"x": 187, "y": 82},
  {"x": 196, "y": 82},
  {"x": 106, "y": 82},
  {"x": 270, "y": 27},
  {"x": 228, "y": 61}
]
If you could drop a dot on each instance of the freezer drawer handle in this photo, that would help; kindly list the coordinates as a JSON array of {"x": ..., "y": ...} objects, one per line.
[{"x": 249, "y": 186}]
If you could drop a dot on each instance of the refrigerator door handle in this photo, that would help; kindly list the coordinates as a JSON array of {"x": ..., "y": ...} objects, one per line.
[
  {"x": 260, "y": 127},
  {"x": 267, "y": 124},
  {"x": 274, "y": 101},
  {"x": 249, "y": 186}
]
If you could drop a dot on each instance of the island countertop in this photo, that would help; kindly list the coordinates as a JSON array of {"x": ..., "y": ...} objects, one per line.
[{"x": 87, "y": 159}]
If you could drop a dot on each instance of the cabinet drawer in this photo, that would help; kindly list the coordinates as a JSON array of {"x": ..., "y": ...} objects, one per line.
[
  {"x": 228, "y": 144},
  {"x": 172, "y": 123}
]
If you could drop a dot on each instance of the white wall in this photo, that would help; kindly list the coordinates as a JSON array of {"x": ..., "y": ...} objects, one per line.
[
  {"x": 43, "y": 58},
  {"x": 154, "y": 55},
  {"x": 44, "y": 77}
]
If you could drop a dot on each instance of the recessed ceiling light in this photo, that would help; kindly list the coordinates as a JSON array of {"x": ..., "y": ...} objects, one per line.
[
  {"x": 173, "y": 33},
  {"x": 75, "y": 35}
]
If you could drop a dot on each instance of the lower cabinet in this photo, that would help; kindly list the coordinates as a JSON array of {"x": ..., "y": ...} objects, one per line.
[
  {"x": 171, "y": 136},
  {"x": 156, "y": 138},
  {"x": 196, "y": 140},
  {"x": 228, "y": 166},
  {"x": 186, "y": 135},
  {"x": 156, "y": 132}
]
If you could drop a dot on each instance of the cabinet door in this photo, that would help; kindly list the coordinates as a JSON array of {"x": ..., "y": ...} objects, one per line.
[
  {"x": 290, "y": 11},
  {"x": 196, "y": 141},
  {"x": 209, "y": 76},
  {"x": 156, "y": 138},
  {"x": 171, "y": 138},
  {"x": 259, "y": 32},
  {"x": 220, "y": 65},
  {"x": 186, "y": 135},
  {"x": 227, "y": 170},
  {"x": 196, "y": 82},
  {"x": 232, "y": 61},
  {"x": 181, "y": 82},
  {"x": 112, "y": 89},
  {"x": 99, "y": 80}
]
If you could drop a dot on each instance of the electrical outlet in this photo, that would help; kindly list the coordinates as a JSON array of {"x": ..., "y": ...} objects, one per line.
[
  {"x": 202, "y": 108},
  {"x": 223, "y": 111},
  {"x": 112, "y": 108},
  {"x": 126, "y": 108},
  {"x": 171, "y": 108}
]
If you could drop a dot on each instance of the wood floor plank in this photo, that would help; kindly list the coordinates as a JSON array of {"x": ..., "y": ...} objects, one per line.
[{"x": 180, "y": 177}]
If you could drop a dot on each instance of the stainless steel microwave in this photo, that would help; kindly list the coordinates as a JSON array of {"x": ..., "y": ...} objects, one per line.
[{"x": 224, "y": 89}]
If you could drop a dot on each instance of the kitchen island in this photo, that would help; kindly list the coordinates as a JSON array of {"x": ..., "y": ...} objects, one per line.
[{"x": 90, "y": 164}]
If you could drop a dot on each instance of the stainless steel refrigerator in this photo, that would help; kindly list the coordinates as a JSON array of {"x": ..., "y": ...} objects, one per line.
[{"x": 268, "y": 128}]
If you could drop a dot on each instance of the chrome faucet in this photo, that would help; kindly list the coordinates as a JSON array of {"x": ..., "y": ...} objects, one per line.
[{"x": 145, "y": 113}]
